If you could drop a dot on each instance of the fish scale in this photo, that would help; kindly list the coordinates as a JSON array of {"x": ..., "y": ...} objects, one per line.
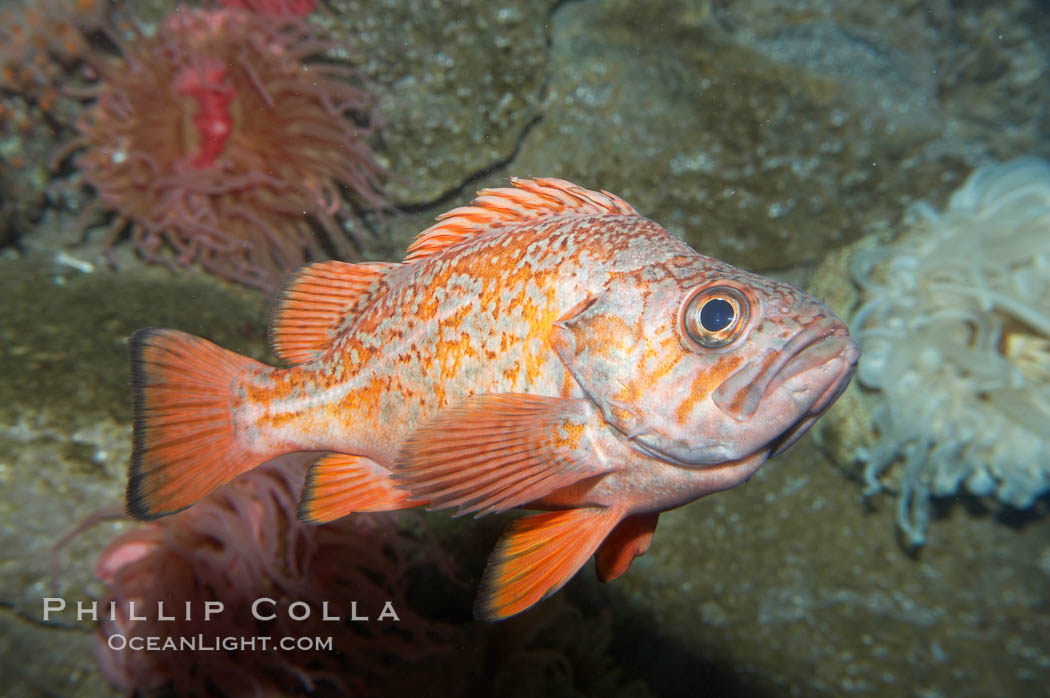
[{"x": 542, "y": 348}]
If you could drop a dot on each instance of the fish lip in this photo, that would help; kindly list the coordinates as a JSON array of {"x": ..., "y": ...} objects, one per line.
[
  {"x": 841, "y": 348},
  {"x": 830, "y": 346},
  {"x": 826, "y": 330},
  {"x": 849, "y": 354},
  {"x": 741, "y": 394}
]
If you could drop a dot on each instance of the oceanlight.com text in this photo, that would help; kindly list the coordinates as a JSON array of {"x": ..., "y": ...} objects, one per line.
[{"x": 204, "y": 643}]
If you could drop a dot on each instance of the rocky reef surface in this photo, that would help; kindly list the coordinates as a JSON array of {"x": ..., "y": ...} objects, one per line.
[
  {"x": 767, "y": 134},
  {"x": 785, "y": 585}
]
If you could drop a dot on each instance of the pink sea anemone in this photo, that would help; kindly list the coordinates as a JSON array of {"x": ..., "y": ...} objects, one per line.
[
  {"x": 275, "y": 8},
  {"x": 245, "y": 543},
  {"x": 218, "y": 141}
]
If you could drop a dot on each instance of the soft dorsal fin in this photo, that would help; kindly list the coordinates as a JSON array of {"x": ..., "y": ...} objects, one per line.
[
  {"x": 527, "y": 199},
  {"x": 317, "y": 301}
]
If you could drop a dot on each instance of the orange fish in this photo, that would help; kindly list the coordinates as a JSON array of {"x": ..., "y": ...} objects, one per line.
[{"x": 546, "y": 348}]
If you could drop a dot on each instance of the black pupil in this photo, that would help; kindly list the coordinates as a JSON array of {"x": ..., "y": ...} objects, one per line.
[{"x": 717, "y": 314}]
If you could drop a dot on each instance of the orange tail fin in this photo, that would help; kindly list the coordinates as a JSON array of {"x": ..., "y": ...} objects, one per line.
[{"x": 184, "y": 444}]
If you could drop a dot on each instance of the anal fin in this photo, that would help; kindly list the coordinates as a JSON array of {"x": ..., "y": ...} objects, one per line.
[
  {"x": 340, "y": 484},
  {"x": 630, "y": 539},
  {"x": 537, "y": 555},
  {"x": 496, "y": 452}
]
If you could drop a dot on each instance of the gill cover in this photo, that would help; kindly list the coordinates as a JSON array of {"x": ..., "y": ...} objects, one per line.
[
  {"x": 598, "y": 341},
  {"x": 639, "y": 355}
]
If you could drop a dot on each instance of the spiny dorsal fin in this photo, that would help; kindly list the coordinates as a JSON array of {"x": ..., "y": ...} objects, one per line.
[
  {"x": 527, "y": 199},
  {"x": 317, "y": 301}
]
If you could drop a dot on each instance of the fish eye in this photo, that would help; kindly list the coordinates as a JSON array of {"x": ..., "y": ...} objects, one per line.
[{"x": 715, "y": 316}]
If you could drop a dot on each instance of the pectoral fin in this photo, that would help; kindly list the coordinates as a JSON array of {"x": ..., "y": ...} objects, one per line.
[
  {"x": 496, "y": 452},
  {"x": 537, "y": 555},
  {"x": 630, "y": 539}
]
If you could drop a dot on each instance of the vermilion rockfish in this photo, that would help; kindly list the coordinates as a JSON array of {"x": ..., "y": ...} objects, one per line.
[{"x": 546, "y": 348}]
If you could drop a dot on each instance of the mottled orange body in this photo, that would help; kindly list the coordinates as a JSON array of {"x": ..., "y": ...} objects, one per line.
[{"x": 546, "y": 347}]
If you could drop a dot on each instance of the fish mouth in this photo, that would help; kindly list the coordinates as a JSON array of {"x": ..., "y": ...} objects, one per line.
[
  {"x": 782, "y": 394},
  {"x": 823, "y": 343},
  {"x": 829, "y": 396}
]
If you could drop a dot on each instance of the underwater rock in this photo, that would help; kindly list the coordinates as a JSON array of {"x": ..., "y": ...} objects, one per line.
[
  {"x": 765, "y": 133},
  {"x": 782, "y": 586},
  {"x": 786, "y": 586},
  {"x": 954, "y": 320},
  {"x": 38, "y": 661},
  {"x": 65, "y": 413},
  {"x": 460, "y": 82},
  {"x": 23, "y": 173}
]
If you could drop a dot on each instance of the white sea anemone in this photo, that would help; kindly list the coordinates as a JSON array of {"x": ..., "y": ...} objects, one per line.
[{"x": 955, "y": 324}]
